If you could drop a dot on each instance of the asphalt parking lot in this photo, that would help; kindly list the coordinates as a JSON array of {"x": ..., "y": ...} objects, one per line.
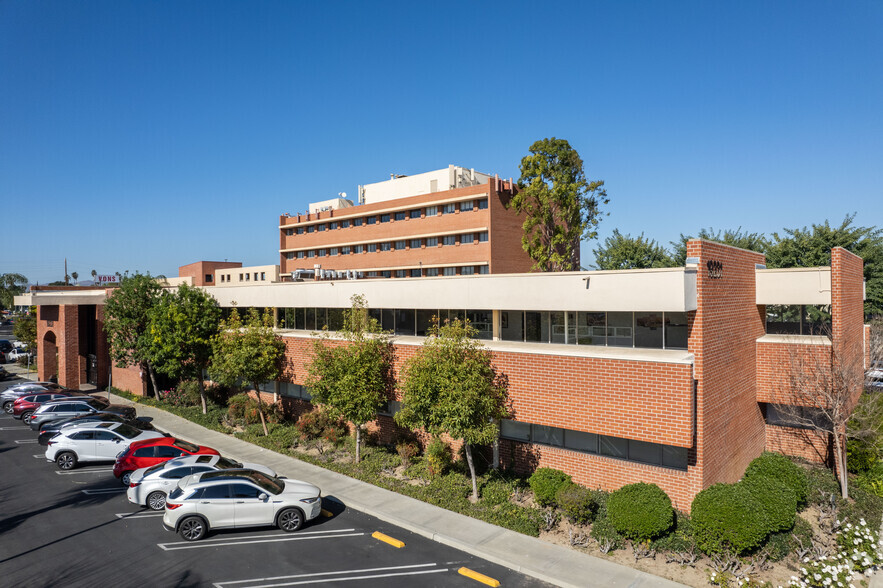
[{"x": 76, "y": 528}]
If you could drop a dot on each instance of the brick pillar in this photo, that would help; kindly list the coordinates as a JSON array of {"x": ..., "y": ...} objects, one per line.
[
  {"x": 69, "y": 346},
  {"x": 102, "y": 349}
]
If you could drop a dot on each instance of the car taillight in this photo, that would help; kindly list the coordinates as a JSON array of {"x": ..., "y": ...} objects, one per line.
[
  {"x": 134, "y": 484},
  {"x": 50, "y": 443},
  {"x": 171, "y": 506}
]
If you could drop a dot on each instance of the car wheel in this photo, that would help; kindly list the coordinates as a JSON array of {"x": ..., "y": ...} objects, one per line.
[
  {"x": 290, "y": 520},
  {"x": 192, "y": 529},
  {"x": 7, "y": 407},
  {"x": 125, "y": 478},
  {"x": 156, "y": 501},
  {"x": 26, "y": 415},
  {"x": 66, "y": 460}
]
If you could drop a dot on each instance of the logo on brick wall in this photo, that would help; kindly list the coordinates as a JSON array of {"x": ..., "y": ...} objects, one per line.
[{"x": 715, "y": 269}]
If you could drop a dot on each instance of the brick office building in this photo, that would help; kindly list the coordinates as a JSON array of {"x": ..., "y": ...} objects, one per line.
[
  {"x": 447, "y": 222},
  {"x": 673, "y": 376}
]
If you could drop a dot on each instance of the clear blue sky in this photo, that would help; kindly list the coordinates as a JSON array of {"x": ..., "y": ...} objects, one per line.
[{"x": 147, "y": 135}]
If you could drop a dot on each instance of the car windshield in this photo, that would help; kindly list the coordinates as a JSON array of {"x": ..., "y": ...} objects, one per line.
[
  {"x": 268, "y": 483},
  {"x": 155, "y": 468},
  {"x": 226, "y": 464},
  {"x": 188, "y": 447},
  {"x": 127, "y": 431}
]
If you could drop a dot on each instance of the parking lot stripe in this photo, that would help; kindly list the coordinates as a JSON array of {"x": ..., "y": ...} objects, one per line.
[
  {"x": 104, "y": 491},
  {"x": 92, "y": 471},
  {"x": 240, "y": 537},
  {"x": 25, "y": 441},
  {"x": 348, "y": 578},
  {"x": 294, "y": 576},
  {"x": 276, "y": 539},
  {"x": 138, "y": 515},
  {"x": 10, "y": 428},
  {"x": 478, "y": 577},
  {"x": 38, "y": 455}
]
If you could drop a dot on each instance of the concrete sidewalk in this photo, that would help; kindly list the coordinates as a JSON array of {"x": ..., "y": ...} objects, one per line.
[{"x": 551, "y": 563}]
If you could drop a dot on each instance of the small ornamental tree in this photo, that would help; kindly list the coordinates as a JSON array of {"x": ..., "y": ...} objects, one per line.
[
  {"x": 127, "y": 319},
  {"x": 450, "y": 386},
  {"x": 25, "y": 329},
  {"x": 350, "y": 379},
  {"x": 179, "y": 338},
  {"x": 247, "y": 352}
]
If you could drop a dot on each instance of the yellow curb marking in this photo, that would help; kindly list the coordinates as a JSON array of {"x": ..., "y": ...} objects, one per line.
[
  {"x": 479, "y": 577},
  {"x": 388, "y": 539},
  {"x": 327, "y": 513}
]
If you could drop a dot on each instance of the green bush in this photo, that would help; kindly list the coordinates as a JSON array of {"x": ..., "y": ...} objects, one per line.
[
  {"x": 778, "y": 545},
  {"x": 726, "y": 517},
  {"x": 778, "y": 501},
  {"x": 497, "y": 491},
  {"x": 438, "y": 457},
  {"x": 862, "y": 505},
  {"x": 606, "y": 534},
  {"x": 189, "y": 389},
  {"x": 318, "y": 424},
  {"x": 640, "y": 511},
  {"x": 243, "y": 408},
  {"x": 545, "y": 483},
  {"x": 577, "y": 503},
  {"x": 779, "y": 467},
  {"x": 407, "y": 451},
  {"x": 679, "y": 538},
  {"x": 860, "y": 457}
]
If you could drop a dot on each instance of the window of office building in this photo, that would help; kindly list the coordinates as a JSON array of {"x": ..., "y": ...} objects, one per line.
[
  {"x": 415, "y": 213},
  {"x": 415, "y": 243},
  {"x": 431, "y": 211},
  {"x": 466, "y": 239},
  {"x": 405, "y": 321},
  {"x": 482, "y": 237},
  {"x": 467, "y": 270},
  {"x": 311, "y": 229},
  {"x": 415, "y": 273},
  {"x": 334, "y": 318},
  {"x": 332, "y": 226},
  {"x": 294, "y": 390},
  {"x": 648, "y": 329},
  {"x": 310, "y": 253},
  {"x": 384, "y": 218},
  {"x": 345, "y": 250},
  {"x": 289, "y": 255},
  {"x": 482, "y": 204},
  {"x": 288, "y": 232},
  {"x": 466, "y": 206},
  {"x": 483, "y": 269},
  {"x": 333, "y": 251},
  {"x": 619, "y": 329},
  {"x": 432, "y": 242},
  {"x": 431, "y": 271},
  {"x": 450, "y": 271},
  {"x": 401, "y": 273},
  {"x": 400, "y": 216},
  {"x": 357, "y": 222},
  {"x": 372, "y": 247},
  {"x": 400, "y": 245},
  {"x": 449, "y": 208},
  {"x": 263, "y": 276},
  {"x": 320, "y": 252},
  {"x": 320, "y": 227},
  {"x": 300, "y": 255},
  {"x": 359, "y": 249},
  {"x": 248, "y": 276},
  {"x": 676, "y": 330},
  {"x": 300, "y": 230},
  {"x": 385, "y": 246},
  {"x": 386, "y": 274},
  {"x": 370, "y": 220},
  {"x": 449, "y": 240}
]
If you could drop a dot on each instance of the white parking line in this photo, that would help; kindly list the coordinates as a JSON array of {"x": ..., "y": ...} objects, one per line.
[
  {"x": 40, "y": 455},
  {"x": 253, "y": 539},
  {"x": 104, "y": 491},
  {"x": 10, "y": 428},
  {"x": 92, "y": 471},
  {"x": 25, "y": 441},
  {"x": 138, "y": 515},
  {"x": 316, "y": 579}
]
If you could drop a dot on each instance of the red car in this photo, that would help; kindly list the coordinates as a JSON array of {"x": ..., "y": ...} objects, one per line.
[
  {"x": 143, "y": 454},
  {"x": 24, "y": 406}
]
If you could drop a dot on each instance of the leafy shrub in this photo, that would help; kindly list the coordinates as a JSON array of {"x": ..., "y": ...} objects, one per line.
[
  {"x": 179, "y": 396},
  {"x": 605, "y": 534},
  {"x": 407, "y": 451},
  {"x": 545, "y": 483},
  {"x": 497, "y": 491},
  {"x": 860, "y": 457},
  {"x": 242, "y": 408},
  {"x": 778, "y": 545},
  {"x": 779, "y": 467},
  {"x": 680, "y": 537},
  {"x": 778, "y": 501},
  {"x": 318, "y": 424},
  {"x": 577, "y": 503},
  {"x": 640, "y": 511},
  {"x": 863, "y": 505},
  {"x": 726, "y": 517},
  {"x": 438, "y": 457}
]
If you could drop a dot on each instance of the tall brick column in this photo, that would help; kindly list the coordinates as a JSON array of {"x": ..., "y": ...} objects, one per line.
[{"x": 69, "y": 346}]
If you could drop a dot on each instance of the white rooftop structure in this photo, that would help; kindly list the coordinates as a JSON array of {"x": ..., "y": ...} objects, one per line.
[{"x": 440, "y": 180}]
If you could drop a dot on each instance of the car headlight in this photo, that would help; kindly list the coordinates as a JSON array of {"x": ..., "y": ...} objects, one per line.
[{"x": 312, "y": 500}]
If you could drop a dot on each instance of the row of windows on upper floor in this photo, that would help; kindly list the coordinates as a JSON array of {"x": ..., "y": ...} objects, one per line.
[
  {"x": 414, "y": 213},
  {"x": 655, "y": 330},
  {"x": 430, "y": 272},
  {"x": 798, "y": 319},
  {"x": 243, "y": 277},
  {"x": 400, "y": 245}
]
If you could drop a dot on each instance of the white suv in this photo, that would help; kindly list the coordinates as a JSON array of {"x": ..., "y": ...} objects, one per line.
[
  {"x": 99, "y": 442},
  {"x": 238, "y": 498}
]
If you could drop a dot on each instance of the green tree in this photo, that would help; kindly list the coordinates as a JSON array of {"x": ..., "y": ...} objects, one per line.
[
  {"x": 352, "y": 379},
  {"x": 450, "y": 386},
  {"x": 626, "y": 252},
  {"x": 11, "y": 285},
  {"x": 743, "y": 240},
  {"x": 127, "y": 320},
  {"x": 179, "y": 338},
  {"x": 809, "y": 247},
  {"x": 247, "y": 352},
  {"x": 25, "y": 329},
  {"x": 561, "y": 207}
]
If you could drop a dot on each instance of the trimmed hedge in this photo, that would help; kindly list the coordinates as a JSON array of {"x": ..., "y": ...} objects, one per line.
[
  {"x": 577, "y": 503},
  {"x": 640, "y": 511},
  {"x": 779, "y": 467},
  {"x": 777, "y": 499},
  {"x": 545, "y": 483},
  {"x": 726, "y": 517}
]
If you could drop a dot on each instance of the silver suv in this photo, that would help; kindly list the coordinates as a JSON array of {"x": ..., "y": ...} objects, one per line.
[{"x": 74, "y": 407}]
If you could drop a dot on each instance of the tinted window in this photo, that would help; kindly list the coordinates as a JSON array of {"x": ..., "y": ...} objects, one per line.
[
  {"x": 245, "y": 491},
  {"x": 127, "y": 431},
  {"x": 219, "y": 491},
  {"x": 177, "y": 473},
  {"x": 144, "y": 452},
  {"x": 226, "y": 464},
  {"x": 105, "y": 436},
  {"x": 189, "y": 447},
  {"x": 83, "y": 435},
  {"x": 168, "y": 451}
]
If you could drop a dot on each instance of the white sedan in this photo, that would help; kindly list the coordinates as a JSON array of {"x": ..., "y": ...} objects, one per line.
[
  {"x": 99, "y": 442},
  {"x": 149, "y": 486},
  {"x": 17, "y": 354}
]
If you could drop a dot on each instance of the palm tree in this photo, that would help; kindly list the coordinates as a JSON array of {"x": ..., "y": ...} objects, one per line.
[
  {"x": 10, "y": 286},
  {"x": 75, "y": 275}
]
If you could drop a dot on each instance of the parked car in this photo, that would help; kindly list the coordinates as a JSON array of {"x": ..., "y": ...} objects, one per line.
[
  {"x": 154, "y": 451},
  {"x": 49, "y": 429},
  {"x": 17, "y": 354},
  {"x": 149, "y": 486},
  {"x": 238, "y": 498},
  {"x": 74, "y": 406},
  {"x": 101, "y": 442},
  {"x": 8, "y": 396},
  {"x": 874, "y": 376},
  {"x": 24, "y": 406},
  {"x": 5, "y": 345}
]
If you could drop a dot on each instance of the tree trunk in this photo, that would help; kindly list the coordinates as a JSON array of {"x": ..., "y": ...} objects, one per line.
[
  {"x": 839, "y": 463},
  {"x": 201, "y": 383},
  {"x": 257, "y": 391},
  {"x": 152, "y": 373},
  {"x": 468, "y": 451},
  {"x": 358, "y": 442}
]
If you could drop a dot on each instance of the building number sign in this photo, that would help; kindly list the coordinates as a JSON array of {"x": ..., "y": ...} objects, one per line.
[{"x": 715, "y": 269}]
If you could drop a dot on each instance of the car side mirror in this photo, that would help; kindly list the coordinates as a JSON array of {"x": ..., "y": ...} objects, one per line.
[
  {"x": 263, "y": 497},
  {"x": 117, "y": 440}
]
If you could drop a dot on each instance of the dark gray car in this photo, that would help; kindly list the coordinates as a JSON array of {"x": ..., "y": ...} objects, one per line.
[
  {"x": 8, "y": 396},
  {"x": 72, "y": 407}
]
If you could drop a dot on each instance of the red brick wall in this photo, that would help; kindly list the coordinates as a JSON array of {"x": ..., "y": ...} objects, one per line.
[
  {"x": 803, "y": 443},
  {"x": 726, "y": 325},
  {"x": 200, "y": 269},
  {"x": 69, "y": 368},
  {"x": 507, "y": 254},
  {"x": 130, "y": 380},
  {"x": 847, "y": 310},
  {"x": 47, "y": 351},
  {"x": 783, "y": 368}
]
